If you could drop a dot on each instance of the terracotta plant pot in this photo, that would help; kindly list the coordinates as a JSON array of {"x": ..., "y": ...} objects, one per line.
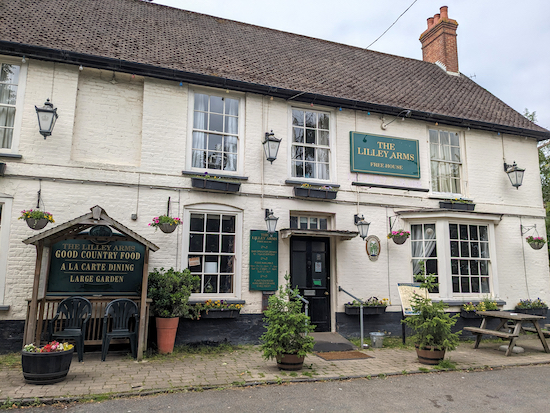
[
  {"x": 166, "y": 334},
  {"x": 430, "y": 356},
  {"x": 290, "y": 362},
  {"x": 37, "y": 223}
]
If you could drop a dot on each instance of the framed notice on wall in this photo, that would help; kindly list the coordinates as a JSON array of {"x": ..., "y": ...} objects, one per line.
[
  {"x": 264, "y": 258},
  {"x": 406, "y": 293},
  {"x": 384, "y": 155}
]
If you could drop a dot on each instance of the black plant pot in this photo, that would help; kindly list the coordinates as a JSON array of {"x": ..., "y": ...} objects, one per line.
[
  {"x": 215, "y": 185},
  {"x": 468, "y": 314},
  {"x": 399, "y": 240},
  {"x": 532, "y": 311},
  {"x": 536, "y": 245},
  {"x": 37, "y": 224},
  {"x": 168, "y": 228},
  {"x": 367, "y": 310},
  {"x": 314, "y": 193},
  {"x": 219, "y": 313},
  {"x": 46, "y": 368}
]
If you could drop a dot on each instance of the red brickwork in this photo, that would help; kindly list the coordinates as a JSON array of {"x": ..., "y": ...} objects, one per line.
[{"x": 439, "y": 41}]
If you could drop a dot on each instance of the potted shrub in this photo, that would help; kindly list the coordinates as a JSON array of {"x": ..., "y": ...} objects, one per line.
[
  {"x": 469, "y": 310},
  {"x": 535, "y": 242},
  {"x": 432, "y": 326},
  {"x": 46, "y": 365},
  {"x": 165, "y": 223},
  {"x": 217, "y": 309},
  {"x": 399, "y": 236},
  {"x": 169, "y": 291},
  {"x": 372, "y": 306},
  {"x": 36, "y": 219},
  {"x": 286, "y": 338},
  {"x": 536, "y": 307}
]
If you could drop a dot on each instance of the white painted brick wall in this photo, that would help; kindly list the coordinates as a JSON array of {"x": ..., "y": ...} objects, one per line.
[{"x": 143, "y": 139}]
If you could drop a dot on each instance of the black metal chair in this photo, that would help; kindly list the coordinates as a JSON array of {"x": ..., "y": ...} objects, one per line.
[
  {"x": 75, "y": 312},
  {"x": 121, "y": 312}
]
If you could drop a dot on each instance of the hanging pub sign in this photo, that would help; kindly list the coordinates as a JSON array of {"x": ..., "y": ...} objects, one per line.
[
  {"x": 83, "y": 267},
  {"x": 264, "y": 258},
  {"x": 383, "y": 155}
]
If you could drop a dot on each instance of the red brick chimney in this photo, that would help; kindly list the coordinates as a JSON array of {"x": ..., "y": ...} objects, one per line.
[{"x": 439, "y": 41}]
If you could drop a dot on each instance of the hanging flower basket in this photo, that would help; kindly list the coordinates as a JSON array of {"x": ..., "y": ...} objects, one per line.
[
  {"x": 536, "y": 242},
  {"x": 399, "y": 236},
  {"x": 165, "y": 223},
  {"x": 36, "y": 219}
]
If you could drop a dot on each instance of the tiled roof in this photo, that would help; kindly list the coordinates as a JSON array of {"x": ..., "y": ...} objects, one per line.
[{"x": 154, "y": 35}]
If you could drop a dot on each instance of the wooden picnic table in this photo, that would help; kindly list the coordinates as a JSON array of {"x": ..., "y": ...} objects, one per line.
[{"x": 518, "y": 321}]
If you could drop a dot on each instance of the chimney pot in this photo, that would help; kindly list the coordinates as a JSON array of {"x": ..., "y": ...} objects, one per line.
[
  {"x": 444, "y": 12},
  {"x": 436, "y": 18},
  {"x": 430, "y": 22}
]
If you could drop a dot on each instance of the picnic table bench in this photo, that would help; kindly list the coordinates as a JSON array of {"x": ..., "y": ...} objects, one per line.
[{"x": 517, "y": 324}]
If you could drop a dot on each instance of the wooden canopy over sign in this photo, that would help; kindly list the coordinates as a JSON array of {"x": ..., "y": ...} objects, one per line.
[{"x": 70, "y": 230}]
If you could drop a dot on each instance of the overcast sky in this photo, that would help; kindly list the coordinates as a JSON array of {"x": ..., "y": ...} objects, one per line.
[{"x": 503, "y": 45}]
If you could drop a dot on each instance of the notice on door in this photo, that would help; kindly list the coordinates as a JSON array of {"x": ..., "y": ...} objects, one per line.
[{"x": 264, "y": 259}]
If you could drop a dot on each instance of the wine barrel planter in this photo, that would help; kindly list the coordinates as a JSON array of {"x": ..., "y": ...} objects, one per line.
[
  {"x": 46, "y": 368},
  {"x": 36, "y": 224},
  {"x": 427, "y": 355},
  {"x": 290, "y": 362},
  {"x": 168, "y": 228}
]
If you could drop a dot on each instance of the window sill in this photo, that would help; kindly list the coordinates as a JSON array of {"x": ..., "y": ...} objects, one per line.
[
  {"x": 11, "y": 155},
  {"x": 224, "y": 176}
]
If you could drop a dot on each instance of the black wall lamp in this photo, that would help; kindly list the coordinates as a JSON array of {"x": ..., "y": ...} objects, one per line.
[
  {"x": 270, "y": 221},
  {"x": 514, "y": 173},
  {"x": 47, "y": 115},
  {"x": 362, "y": 226},
  {"x": 271, "y": 146}
]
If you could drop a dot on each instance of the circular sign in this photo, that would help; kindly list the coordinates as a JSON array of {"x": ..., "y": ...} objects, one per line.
[{"x": 373, "y": 247}]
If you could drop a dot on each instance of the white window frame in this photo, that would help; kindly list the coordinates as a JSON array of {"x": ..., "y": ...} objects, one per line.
[
  {"x": 442, "y": 221},
  {"x": 331, "y": 146},
  {"x": 18, "y": 104},
  {"x": 7, "y": 202},
  {"x": 241, "y": 133},
  {"x": 216, "y": 209},
  {"x": 462, "y": 163}
]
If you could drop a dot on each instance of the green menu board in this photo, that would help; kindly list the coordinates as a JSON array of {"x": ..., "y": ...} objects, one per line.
[{"x": 264, "y": 258}]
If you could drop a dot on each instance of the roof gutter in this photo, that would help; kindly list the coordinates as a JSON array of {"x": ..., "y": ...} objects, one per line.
[{"x": 123, "y": 66}]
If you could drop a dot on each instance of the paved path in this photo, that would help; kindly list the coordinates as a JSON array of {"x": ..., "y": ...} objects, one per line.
[{"x": 121, "y": 375}]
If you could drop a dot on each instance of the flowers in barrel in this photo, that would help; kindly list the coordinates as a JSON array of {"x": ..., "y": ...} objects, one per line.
[
  {"x": 165, "y": 223},
  {"x": 54, "y": 346}
]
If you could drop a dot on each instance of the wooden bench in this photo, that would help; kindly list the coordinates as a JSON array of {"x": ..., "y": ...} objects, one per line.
[
  {"x": 534, "y": 330},
  {"x": 501, "y": 334}
]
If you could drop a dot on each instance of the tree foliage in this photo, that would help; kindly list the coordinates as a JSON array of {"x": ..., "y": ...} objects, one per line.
[{"x": 170, "y": 291}]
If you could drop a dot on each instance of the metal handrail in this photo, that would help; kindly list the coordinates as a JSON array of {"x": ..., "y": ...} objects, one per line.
[
  {"x": 361, "y": 303},
  {"x": 306, "y": 302}
]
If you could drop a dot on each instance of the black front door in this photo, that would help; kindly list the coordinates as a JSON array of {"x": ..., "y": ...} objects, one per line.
[{"x": 309, "y": 263}]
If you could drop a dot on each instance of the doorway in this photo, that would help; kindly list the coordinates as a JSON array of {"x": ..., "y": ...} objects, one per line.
[{"x": 310, "y": 272}]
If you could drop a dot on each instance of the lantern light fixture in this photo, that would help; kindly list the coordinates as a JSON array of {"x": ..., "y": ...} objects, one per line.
[
  {"x": 514, "y": 173},
  {"x": 271, "y": 146},
  {"x": 362, "y": 226},
  {"x": 47, "y": 115},
  {"x": 270, "y": 221}
]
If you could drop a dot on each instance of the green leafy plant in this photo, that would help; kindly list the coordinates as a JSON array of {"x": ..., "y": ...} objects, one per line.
[
  {"x": 398, "y": 234},
  {"x": 170, "y": 291},
  {"x": 486, "y": 305},
  {"x": 431, "y": 324},
  {"x": 287, "y": 326},
  {"x": 164, "y": 219},
  {"x": 529, "y": 304},
  {"x": 36, "y": 214},
  {"x": 370, "y": 302},
  {"x": 535, "y": 240}
]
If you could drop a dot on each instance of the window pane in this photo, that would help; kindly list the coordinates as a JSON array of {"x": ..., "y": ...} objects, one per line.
[
  {"x": 464, "y": 267},
  {"x": 196, "y": 222},
  {"x": 228, "y": 243},
  {"x": 454, "y": 267},
  {"x": 475, "y": 284},
  {"x": 294, "y": 222},
  {"x": 417, "y": 249},
  {"x": 322, "y": 155},
  {"x": 216, "y": 123},
  {"x": 484, "y": 250},
  {"x": 313, "y": 223},
  {"x": 200, "y": 120},
  {"x": 298, "y": 168},
  {"x": 455, "y": 154},
  {"x": 465, "y": 284},
  {"x": 226, "y": 263},
  {"x": 297, "y": 117},
  {"x": 228, "y": 224},
  {"x": 199, "y": 140},
  {"x": 456, "y": 285},
  {"x": 431, "y": 267},
  {"x": 311, "y": 119},
  {"x": 454, "y": 249},
  {"x": 226, "y": 283},
  {"x": 201, "y": 102},
  {"x": 416, "y": 231},
  {"x": 323, "y": 138},
  {"x": 212, "y": 223},
  {"x": 7, "y": 116},
  {"x": 297, "y": 135},
  {"x": 232, "y": 107},
  {"x": 195, "y": 242},
  {"x": 310, "y": 136},
  {"x": 444, "y": 137},
  {"x": 195, "y": 268},
  {"x": 210, "y": 284},
  {"x": 473, "y": 232},
  {"x": 434, "y": 151},
  {"x": 303, "y": 223},
  {"x": 309, "y": 170},
  {"x": 474, "y": 249},
  {"x": 485, "y": 285},
  {"x": 297, "y": 152},
  {"x": 216, "y": 104},
  {"x": 6, "y": 136},
  {"x": 429, "y": 231},
  {"x": 464, "y": 250},
  {"x": 231, "y": 125},
  {"x": 323, "y": 121},
  {"x": 310, "y": 154},
  {"x": 323, "y": 171},
  {"x": 323, "y": 223},
  {"x": 483, "y": 236},
  {"x": 474, "y": 267},
  {"x": 464, "y": 232},
  {"x": 212, "y": 243},
  {"x": 484, "y": 268},
  {"x": 454, "y": 139},
  {"x": 434, "y": 136}
]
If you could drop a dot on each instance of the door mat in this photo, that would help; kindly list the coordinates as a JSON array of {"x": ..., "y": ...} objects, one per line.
[{"x": 343, "y": 355}]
